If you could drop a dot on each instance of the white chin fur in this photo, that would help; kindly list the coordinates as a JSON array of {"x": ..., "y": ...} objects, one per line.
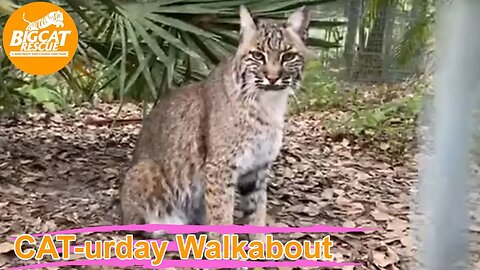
[{"x": 275, "y": 103}]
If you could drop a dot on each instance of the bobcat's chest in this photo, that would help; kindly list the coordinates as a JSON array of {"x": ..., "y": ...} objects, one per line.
[
  {"x": 261, "y": 150},
  {"x": 263, "y": 145}
]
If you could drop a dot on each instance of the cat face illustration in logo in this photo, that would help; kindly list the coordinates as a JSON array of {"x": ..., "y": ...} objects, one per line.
[{"x": 53, "y": 18}]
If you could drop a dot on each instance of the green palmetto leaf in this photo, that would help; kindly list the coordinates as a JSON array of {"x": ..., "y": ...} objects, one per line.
[
  {"x": 373, "y": 7},
  {"x": 283, "y": 6},
  {"x": 150, "y": 41},
  {"x": 136, "y": 74},
  {"x": 191, "y": 43},
  {"x": 141, "y": 56},
  {"x": 415, "y": 36},
  {"x": 179, "y": 24},
  {"x": 168, "y": 37},
  {"x": 169, "y": 42},
  {"x": 123, "y": 62}
]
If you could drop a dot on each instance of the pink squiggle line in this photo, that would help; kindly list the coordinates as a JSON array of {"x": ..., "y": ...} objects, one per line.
[
  {"x": 228, "y": 229},
  {"x": 172, "y": 246},
  {"x": 191, "y": 263}
]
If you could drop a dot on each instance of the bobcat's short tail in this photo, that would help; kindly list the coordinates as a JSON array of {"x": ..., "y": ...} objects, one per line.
[{"x": 27, "y": 21}]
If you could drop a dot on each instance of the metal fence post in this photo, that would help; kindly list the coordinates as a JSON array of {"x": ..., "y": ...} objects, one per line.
[{"x": 456, "y": 87}]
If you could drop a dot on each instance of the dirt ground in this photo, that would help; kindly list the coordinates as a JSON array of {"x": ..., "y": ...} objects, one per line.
[{"x": 60, "y": 173}]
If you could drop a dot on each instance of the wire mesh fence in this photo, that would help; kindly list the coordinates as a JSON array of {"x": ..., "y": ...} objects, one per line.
[
  {"x": 445, "y": 203},
  {"x": 381, "y": 46}
]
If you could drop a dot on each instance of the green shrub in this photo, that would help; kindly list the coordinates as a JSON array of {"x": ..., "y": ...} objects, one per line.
[
  {"x": 319, "y": 90},
  {"x": 382, "y": 115}
]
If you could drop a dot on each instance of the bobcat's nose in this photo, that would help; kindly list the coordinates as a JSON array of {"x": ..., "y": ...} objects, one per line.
[{"x": 272, "y": 77}]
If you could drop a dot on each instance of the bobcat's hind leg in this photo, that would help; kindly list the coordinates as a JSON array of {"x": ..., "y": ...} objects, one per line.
[
  {"x": 219, "y": 197},
  {"x": 144, "y": 199}
]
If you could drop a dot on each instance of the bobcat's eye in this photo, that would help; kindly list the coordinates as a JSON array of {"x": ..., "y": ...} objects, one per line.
[
  {"x": 257, "y": 55},
  {"x": 288, "y": 56}
]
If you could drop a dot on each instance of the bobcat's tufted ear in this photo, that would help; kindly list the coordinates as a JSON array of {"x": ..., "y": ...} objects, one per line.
[
  {"x": 299, "y": 22},
  {"x": 247, "y": 25},
  {"x": 248, "y": 31}
]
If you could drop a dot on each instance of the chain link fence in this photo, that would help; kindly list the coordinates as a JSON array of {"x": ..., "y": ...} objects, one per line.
[{"x": 379, "y": 49}]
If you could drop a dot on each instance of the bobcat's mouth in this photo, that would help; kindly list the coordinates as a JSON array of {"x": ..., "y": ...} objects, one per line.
[{"x": 273, "y": 87}]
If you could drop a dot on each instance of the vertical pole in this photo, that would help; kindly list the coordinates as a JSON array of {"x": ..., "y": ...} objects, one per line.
[{"x": 456, "y": 84}]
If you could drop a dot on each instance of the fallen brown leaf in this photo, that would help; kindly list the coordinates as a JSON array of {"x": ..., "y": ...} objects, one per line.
[
  {"x": 385, "y": 256},
  {"x": 6, "y": 247}
]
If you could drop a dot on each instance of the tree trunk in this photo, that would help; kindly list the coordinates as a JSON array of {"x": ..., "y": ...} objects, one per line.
[
  {"x": 353, "y": 13},
  {"x": 388, "y": 43},
  {"x": 362, "y": 34}
]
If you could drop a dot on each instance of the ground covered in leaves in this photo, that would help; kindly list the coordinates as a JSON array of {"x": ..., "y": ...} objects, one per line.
[{"x": 57, "y": 172}]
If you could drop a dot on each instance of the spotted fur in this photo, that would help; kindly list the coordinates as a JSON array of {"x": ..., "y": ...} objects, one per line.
[{"x": 212, "y": 138}]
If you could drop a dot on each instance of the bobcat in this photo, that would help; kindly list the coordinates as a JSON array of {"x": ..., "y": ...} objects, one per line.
[{"x": 208, "y": 138}]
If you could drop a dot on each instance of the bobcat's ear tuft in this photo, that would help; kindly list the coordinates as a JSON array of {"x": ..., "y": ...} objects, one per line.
[
  {"x": 247, "y": 24},
  {"x": 299, "y": 22},
  {"x": 248, "y": 31}
]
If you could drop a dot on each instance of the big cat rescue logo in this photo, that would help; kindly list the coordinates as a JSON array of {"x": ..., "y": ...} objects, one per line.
[{"x": 40, "y": 38}]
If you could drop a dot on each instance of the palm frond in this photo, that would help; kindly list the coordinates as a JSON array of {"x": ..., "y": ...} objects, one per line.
[
  {"x": 156, "y": 45},
  {"x": 415, "y": 37}
]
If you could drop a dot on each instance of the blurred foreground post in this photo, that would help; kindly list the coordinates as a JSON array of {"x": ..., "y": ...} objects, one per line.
[{"x": 456, "y": 88}]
